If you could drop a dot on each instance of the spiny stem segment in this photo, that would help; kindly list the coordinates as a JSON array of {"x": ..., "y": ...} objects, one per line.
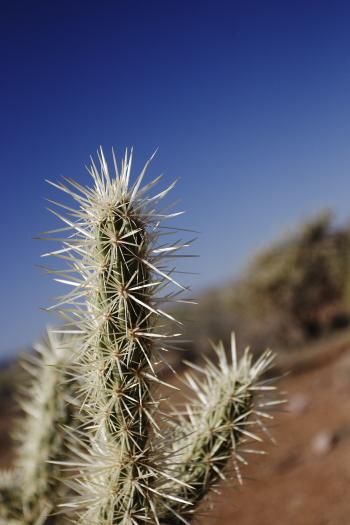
[
  {"x": 116, "y": 265},
  {"x": 217, "y": 425}
]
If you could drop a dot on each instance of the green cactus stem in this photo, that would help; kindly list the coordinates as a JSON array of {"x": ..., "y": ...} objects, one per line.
[
  {"x": 230, "y": 403},
  {"x": 117, "y": 260}
]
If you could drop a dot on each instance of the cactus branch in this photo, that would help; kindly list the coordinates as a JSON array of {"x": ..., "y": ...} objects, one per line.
[{"x": 215, "y": 427}]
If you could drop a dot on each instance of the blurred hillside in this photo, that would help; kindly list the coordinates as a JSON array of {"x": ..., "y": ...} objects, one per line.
[{"x": 293, "y": 292}]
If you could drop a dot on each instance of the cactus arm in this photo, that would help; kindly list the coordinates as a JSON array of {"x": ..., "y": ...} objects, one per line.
[{"x": 216, "y": 426}]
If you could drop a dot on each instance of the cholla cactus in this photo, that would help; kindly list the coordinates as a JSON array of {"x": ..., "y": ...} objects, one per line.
[
  {"x": 39, "y": 435},
  {"x": 229, "y": 399},
  {"x": 118, "y": 268},
  {"x": 116, "y": 260}
]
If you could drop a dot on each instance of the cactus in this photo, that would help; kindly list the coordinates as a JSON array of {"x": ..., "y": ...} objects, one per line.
[
  {"x": 115, "y": 259},
  {"x": 118, "y": 268},
  {"x": 34, "y": 485},
  {"x": 218, "y": 424},
  {"x": 124, "y": 459}
]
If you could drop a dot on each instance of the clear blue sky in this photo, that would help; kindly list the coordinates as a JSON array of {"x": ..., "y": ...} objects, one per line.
[{"x": 249, "y": 103}]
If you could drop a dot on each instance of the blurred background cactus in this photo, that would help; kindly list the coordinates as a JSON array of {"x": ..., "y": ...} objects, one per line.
[
  {"x": 95, "y": 443},
  {"x": 31, "y": 490}
]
